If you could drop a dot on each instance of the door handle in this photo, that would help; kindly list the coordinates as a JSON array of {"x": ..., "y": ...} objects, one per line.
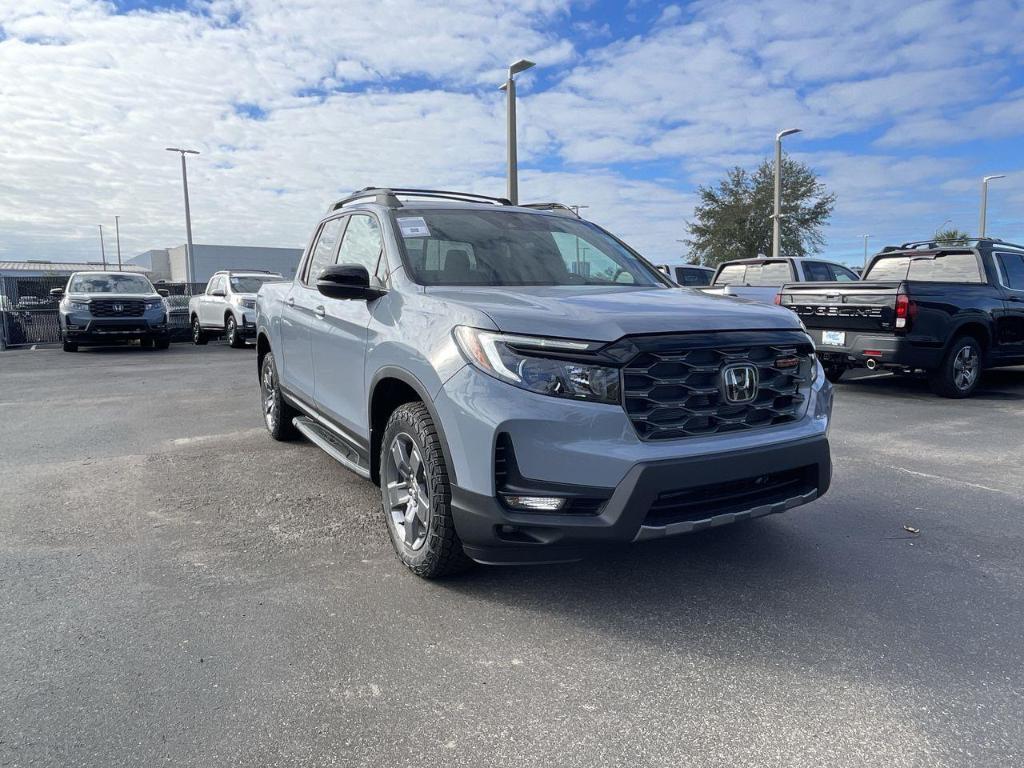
[
  {"x": 291, "y": 302},
  {"x": 1015, "y": 298},
  {"x": 319, "y": 310}
]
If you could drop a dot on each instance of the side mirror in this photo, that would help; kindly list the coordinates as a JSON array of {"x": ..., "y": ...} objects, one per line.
[
  {"x": 163, "y": 292},
  {"x": 57, "y": 293},
  {"x": 347, "y": 281},
  {"x": 218, "y": 292}
]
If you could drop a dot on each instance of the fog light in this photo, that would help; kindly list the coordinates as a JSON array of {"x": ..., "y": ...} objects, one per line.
[{"x": 535, "y": 503}]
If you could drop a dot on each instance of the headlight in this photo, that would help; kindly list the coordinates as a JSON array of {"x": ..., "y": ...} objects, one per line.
[
  {"x": 80, "y": 306},
  {"x": 518, "y": 361},
  {"x": 156, "y": 304}
]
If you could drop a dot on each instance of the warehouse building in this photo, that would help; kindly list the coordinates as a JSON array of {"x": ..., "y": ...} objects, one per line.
[{"x": 169, "y": 264}]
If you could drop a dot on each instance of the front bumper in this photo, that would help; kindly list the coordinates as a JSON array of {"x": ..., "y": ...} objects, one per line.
[
  {"x": 85, "y": 328},
  {"x": 655, "y": 499},
  {"x": 887, "y": 350}
]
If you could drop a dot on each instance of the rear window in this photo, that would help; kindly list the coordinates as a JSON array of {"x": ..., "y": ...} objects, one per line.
[
  {"x": 949, "y": 268},
  {"x": 731, "y": 275},
  {"x": 689, "y": 276},
  {"x": 774, "y": 273}
]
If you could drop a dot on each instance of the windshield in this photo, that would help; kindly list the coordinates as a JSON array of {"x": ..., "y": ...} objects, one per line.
[
  {"x": 110, "y": 284},
  {"x": 948, "y": 268},
  {"x": 252, "y": 283},
  {"x": 480, "y": 247}
]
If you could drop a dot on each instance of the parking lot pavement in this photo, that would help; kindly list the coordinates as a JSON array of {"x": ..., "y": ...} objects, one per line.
[{"x": 176, "y": 588}]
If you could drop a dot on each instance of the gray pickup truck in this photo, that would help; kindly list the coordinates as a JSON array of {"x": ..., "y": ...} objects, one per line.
[
  {"x": 761, "y": 279},
  {"x": 524, "y": 387}
]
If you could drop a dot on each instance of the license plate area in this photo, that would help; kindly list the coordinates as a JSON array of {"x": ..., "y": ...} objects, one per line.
[{"x": 833, "y": 338}]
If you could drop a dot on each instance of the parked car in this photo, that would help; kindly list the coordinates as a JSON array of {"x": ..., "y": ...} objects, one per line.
[
  {"x": 689, "y": 275},
  {"x": 111, "y": 307},
  {"x": 228, "y": 306},
  {"x": 518, "y": 402},
  {"x": 761, "y": 279},
  {"x": 947, "y": 310}
]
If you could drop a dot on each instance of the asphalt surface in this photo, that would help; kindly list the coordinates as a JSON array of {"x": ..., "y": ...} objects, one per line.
[{"x": 176, "y": 588}]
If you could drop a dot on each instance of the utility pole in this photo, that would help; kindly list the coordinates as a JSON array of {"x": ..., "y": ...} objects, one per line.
[
  {"x": 103, "y": 252},
  {"x": 865, "y": 252},
  {"x": 509, "y": 86},
  {"x": 189, "y": 262},
  {"x": 984, "y": 201},
  {"x": 117, "y": 232},
  {"x": 777, "y": 214}
]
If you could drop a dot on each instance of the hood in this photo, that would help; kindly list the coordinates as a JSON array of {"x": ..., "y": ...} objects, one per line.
[
  {"x": 601, "y": 313},
  {"x": 113, "y": 296}
]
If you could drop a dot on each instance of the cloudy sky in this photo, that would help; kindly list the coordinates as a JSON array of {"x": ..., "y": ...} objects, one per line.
[{"x": 904, "y": 107}]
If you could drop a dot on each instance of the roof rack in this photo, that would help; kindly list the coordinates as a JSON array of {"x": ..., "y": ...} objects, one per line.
[
  {"x": 389, "y": 196},
  {"x": 559, "y": 208},
  {"x": 247, "y": 271},
  {"x": 956, "y": 241}
]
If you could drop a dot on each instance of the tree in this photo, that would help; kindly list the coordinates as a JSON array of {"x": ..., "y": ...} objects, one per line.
[
  {"x": 734, "y": 219},
  {"x": 952, "y": 236}
]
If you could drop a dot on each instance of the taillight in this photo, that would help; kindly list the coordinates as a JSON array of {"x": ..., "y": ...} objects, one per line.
[
  {"x": 905, "y": 310},
  {"x": 778, "y": 299}
]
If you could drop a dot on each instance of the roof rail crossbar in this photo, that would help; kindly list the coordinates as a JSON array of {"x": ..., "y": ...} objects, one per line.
[
  {"x": 559, "y": 208},
  {"x": 389, "y": 196},
  {"x": 933, "y": 243}
]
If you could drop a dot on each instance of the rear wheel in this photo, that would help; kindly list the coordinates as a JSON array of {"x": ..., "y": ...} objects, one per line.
[
  {"x": 960, "y": 372},
  {"x": 70, "y": 346},
  {"x": 162, "y": 343},
  {"x": 416, "y": 495},
  {"x": 231, "y": 332},
  {"x": 277, "y": 414},
  {"x": 198, "y": 334}
]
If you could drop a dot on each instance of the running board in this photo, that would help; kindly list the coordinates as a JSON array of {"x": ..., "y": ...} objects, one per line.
[{"x": 332, "y": 444}]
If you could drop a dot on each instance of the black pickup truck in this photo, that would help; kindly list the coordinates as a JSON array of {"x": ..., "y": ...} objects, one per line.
[{"x": 947, "y": 309}]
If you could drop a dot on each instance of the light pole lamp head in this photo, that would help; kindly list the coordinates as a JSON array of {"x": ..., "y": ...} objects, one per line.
[
  {"x": 520, "y": 66},
  {"x": 987, "y": 179},
  {"x": 183, "y": 151},
  {"x": 788, "y": 132}
]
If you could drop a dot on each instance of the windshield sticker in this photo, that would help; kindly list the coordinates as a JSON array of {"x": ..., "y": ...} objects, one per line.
[{"x": 413, "y": 226}]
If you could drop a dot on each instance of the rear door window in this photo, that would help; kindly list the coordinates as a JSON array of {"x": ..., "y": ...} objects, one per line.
[
  {"x": 817, "y": 272},
  {"x": 842, "y": 274},
  {"x": 692, "y": 277}
]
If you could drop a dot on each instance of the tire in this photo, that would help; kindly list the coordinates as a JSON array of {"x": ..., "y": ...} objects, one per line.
[
  {"x": 162, "y": 343},
  {"x": 146, "y": 343},
  {"x": 960, "y": 372},
  {"x": 70, "y": 346},
  {"x": 199, "y": 336},
  {"x": 235, "y": 340},
  {"x": 834, "y": 372},
  {"x": 421, "y": 528},
  {"x": 277, "y": 414}
]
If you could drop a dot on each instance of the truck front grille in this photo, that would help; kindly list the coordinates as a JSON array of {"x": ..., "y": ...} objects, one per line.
[
  {"x": 116, "y": 308},
  {"x": 673, "y": 385}
]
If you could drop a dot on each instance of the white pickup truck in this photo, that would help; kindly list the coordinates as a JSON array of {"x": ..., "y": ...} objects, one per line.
[
  {"x": 761, "y": 279},
  {"x": 228, "y": 306}
]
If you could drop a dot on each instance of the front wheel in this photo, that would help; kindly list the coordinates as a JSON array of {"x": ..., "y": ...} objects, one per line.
[
  {"x": 416, "y": 495},
  {"x": 70, "y": 346},
  {"x": 960, "y": 371},
  {"x": 235, "y": 339},
  {"x": 277, "y": 414},
  {"x": 198, "y": 334},
  {"x": 162, "y": 343}
]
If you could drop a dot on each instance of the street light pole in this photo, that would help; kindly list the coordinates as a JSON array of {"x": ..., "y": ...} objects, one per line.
[
  {"x": 865, "y": 266},
  {"x": 117, "y": 233},
  {"x": 189, "y": 264},
  {"x": 509, "y": 86},
  {"x": 777, "y": 214},
  {"x": 103, "y": 252},
  {"x": 984, "y": 201}
]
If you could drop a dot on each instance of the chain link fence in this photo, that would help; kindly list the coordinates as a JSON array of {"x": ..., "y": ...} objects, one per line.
[{"x": 29, "y": 315}]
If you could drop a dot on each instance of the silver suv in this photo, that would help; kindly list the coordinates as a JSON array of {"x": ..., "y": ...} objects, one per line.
[
  {"x": 228, "y": 306},
  {"x": 524, "y": 387}
]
